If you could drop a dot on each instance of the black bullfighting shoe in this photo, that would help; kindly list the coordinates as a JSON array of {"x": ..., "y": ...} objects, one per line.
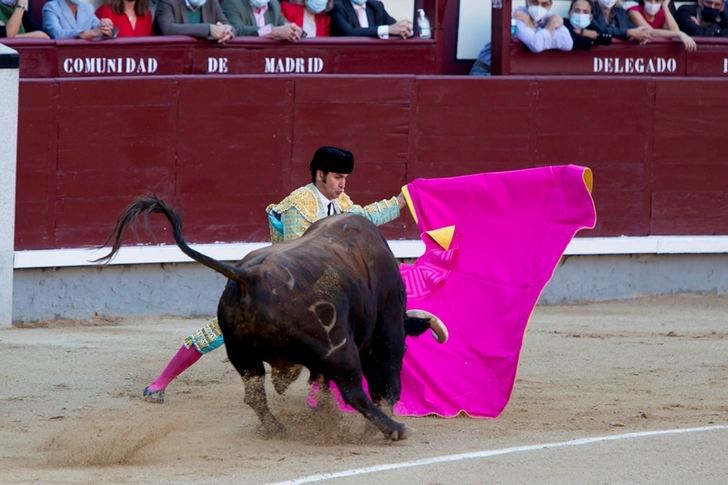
[{"x": 153, "y": 396}]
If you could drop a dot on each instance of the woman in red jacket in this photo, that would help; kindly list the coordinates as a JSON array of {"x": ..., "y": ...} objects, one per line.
[
  {"x": 132, "y": 18},
  {"x": 310, "y": 15}
]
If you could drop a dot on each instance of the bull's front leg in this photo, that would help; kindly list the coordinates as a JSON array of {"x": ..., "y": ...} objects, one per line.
[{"x": 355, "y": 397}]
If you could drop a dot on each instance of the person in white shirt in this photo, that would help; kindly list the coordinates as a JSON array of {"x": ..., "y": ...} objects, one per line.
[
  {"x": 536, "y": 28},
  {"x": 540, "y": 30}
]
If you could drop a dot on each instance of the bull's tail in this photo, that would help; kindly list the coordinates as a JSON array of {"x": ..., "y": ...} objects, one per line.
[{"x": 151, "y": 204}]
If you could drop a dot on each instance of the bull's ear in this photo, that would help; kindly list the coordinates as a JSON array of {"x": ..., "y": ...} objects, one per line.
[{"x": 416, "y": 326}]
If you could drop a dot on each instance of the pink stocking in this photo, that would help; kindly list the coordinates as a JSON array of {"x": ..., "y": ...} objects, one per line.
[{"x": 183, "y": 359}]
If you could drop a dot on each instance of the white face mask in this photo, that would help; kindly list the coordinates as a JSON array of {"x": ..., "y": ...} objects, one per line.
[
  {"x": 652, "y": 8},
  {"x": 580, "y": 20},
  {"x": 537, "y": 12},
  {"x": 196, "y": 3},
  {"x": 259, "y": 3},
  {"x": 607, "y": 3}
]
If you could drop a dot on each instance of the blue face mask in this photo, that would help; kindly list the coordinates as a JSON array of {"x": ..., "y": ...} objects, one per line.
[
  {"x": 259, "y": 3},
  {"x": 316, "y": 6},
  {"x": 196, "y": 3},
  {"x": 580, "y": 20},
  {"x": 359, "y": 2}
]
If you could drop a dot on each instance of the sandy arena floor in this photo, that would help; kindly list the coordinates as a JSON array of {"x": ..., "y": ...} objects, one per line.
[{"x": 71, "y": 411}]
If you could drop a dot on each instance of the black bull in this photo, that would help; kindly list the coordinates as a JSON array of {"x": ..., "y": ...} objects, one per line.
[{"x": 332, "y": 300}]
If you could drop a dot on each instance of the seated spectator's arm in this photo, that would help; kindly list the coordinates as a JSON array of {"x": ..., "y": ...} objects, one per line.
[
  {"x": 288, "y": 31},
  {"x": 560, "y": 36},
  {"x": 583, "y": 39},
  {"x": 602, "y": 38},
  {"x": 15, "y": 21},
  {"x": 52, "y": 24},
  {"x": 670, "y": 23},
  {"x": 233, "y": 10},
  {"x": 617, "y": 31},
  {"x": 537, "y": 40},
  {"x": 691, "y": 26},
  {"x": 220, "y": 15},
  {"x": 168, "y": 26}
]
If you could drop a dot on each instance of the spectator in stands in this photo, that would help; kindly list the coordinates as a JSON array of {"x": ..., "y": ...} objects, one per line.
[
  {"x": 366, "y": 18},
  {"x": 310, "y": 15},
  {"x": 15, "y": 21},
  {"x": 610, "y": 17},
  {"x": 707, "y": 18},
  {"x": 131, "y": 18},
  {"x": 535, "y": 28},
  {"x": 656, "y": 15},
  {"x": 198, "y": 18},
  {"x": 262, "y": 18},
  {"x": 539, "y": 30},
  {"x": 69, "y": 19},
  {"x": 580, "y": 25}
]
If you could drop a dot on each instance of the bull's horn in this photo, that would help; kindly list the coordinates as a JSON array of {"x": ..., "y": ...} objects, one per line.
[{"x": 437, "y": 325}]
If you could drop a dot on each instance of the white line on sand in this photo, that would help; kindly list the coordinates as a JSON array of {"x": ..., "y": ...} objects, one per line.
[{"x": 488, "y": 453}]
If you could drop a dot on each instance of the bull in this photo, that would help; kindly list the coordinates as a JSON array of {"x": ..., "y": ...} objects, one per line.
[{"x": 332, "y": 301}]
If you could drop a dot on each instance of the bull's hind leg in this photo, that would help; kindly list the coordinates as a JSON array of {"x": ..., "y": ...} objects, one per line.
[{"x": 253, "y": 374}]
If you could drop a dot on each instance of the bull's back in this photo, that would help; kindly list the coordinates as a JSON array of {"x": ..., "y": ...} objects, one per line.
[{"x": 345, "y": 252}]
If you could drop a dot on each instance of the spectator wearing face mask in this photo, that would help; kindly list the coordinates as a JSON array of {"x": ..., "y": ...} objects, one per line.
[
  {"x": 580, "y": 25},
  {"x": 656, "y": 15},
  {"x": 309, "y": 15},
  {"x": 707, "y": 18},
  {"x": 71, "y": 19},
  {"x": 366, "y": 18},
  {"x": 15, "y": 21},
  {"x": 535, "y": 28},
  {"x": 610, "y": 17},
  {"x": 197, "y": 18},
  {"x": 262, "y": 18},
  {"x": 539, "y": 30}
]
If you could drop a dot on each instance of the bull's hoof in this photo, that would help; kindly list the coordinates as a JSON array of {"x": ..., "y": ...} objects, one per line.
[
  {"x": 400, "y": 434},
  {"x": 153, "y": 396},
  {"x": 273, "y": 429}
]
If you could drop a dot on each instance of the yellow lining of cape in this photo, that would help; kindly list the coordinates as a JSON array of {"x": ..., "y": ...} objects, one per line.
[
  {"x": 588, "y": 177},
  {"x": 442, "y": 236},
  {"x": 408, "y": 199}
]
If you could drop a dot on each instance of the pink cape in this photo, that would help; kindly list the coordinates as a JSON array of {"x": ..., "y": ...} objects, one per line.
[{"x": 483, "y": 279}]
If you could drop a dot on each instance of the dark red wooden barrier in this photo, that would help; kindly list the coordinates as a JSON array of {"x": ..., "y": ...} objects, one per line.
[
  {"x": 223, "y": 147},
  {"x": 658, "y": 58},
  {"x": 172, "y": 55}
]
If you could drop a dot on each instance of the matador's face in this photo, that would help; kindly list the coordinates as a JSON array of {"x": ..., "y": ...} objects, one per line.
[{"x": 331, "y": 184}]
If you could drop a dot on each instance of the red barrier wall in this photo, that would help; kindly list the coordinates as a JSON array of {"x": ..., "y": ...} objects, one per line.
[
  {"x": 177, "y": 55},
  {"x": 222, "y": 148}
]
